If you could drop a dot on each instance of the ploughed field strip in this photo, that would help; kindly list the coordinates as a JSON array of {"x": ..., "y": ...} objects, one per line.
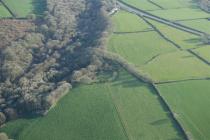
[{"x": 125, "y": 109}]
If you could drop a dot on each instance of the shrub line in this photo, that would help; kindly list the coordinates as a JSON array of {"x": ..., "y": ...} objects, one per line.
[
  {"x": 140, "y": 76},
  {"x": 149, "y": 30},
  {"x": 172, "y": 115},
  {"x": 183, "y": 80}
]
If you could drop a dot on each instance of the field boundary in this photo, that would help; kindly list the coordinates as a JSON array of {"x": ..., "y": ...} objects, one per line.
[
  {"x": 176, "y": 45},
  {"x": 149, "y": 30},
  {"x": 162, "y": 35},
  {"x": 172, "y": 115},
  {"x": 183, "y": 80},
  {"x": 146, "y": 14},
  {"x": 8, "y": 9},
  {"x": 152, "y": 2},
  {"x": 141, "y": 77}
]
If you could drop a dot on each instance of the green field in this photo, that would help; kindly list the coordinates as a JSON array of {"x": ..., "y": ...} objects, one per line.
[
  {"x": 23, "y": 8},
  {"x": 190, "y": 101},
  {"x": 4, "y": 12},
  {"x": 142, "y": 4},
  {"x": 169, "y": 4},
  {"x": 184, "y": 39},
  {"x": 181, "y": 14},
  {"x": 138, "y": 48},
  {"x": 176, "y": 66},
  {"x": 199, "y": 24},
  {"x": 127, "y": 22},
  {"x": 111, "y": 111},
  {"x": 204, "y": 52}
]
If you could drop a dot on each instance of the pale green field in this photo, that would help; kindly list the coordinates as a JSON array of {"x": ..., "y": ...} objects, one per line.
[
  {"x": 108, "y": 111},
  {"x": 184, "y": 39},
  {"x": 22, "y": 8},
  {"x": 181, "y": 14},
  {"x": 168, "y": 4},
  {"x": 142, "y": 4},
  {"x": 4, "y": 12},
  {"x": 204, "y": 52},
  {"x": 138, "y": 48},
  {"x": 176, "y": 66},
  {"x": 199, "y": 24},
  {"x": 127, "y": 22},
  {"x": 140, "y": 109},
  {"x": 190, "y": 102}
]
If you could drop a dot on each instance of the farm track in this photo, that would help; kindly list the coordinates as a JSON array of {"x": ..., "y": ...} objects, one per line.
[
  {"x": 143, "y": 13},
  {"x": 8, "y": 9}
]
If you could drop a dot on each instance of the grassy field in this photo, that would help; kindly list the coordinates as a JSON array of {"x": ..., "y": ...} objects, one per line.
[
  {"x": 190, "y": 101},
  {"x": 184, "y": 39},
  {"x": 181, "y": 14},
  {"x": 142, "y": 4},
  {"x": 127, "y": 22},
  {"x": 176, "y": 66},
  {"x": 199, "y": 24},
  {"x": 112, "y": 111},
  {"x": 22, "y": 8},
  {"x": 167, "y": 4},
  {"x": 203, "y": 52},
  {"x": 139, "y": 47},
  {"x": 4, "y": 12}
]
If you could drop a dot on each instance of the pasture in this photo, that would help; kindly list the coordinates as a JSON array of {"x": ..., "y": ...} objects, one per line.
[
  {"x": 190, "y": 101},
  {"x": 4, "y": 12},
  {"x": 23, "y": 8},
  {"x": 198, "y": 24},
  {"x": 143, "y": 4},
  {"x": 174, "y": 66},
  {"x": 138, "y": 48},
  {"x": 118, "y": 110},
  {"x": 184, "y": 39},
  {"x": 126, "y": 22},
  {"x": 203, "y": 52},
  {"x": 169, "y": 4},
  {"x": 181, "y": 13}
]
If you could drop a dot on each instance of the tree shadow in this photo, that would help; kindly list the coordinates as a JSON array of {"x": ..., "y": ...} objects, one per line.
[
  {"x": 39, "y": 6},
  {"x": 196, "y": 41}
]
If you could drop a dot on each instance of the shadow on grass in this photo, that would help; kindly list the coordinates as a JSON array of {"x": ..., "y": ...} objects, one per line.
[
  {"x": 39, "y": 6},
  {"x": 196, "y": 41}
]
